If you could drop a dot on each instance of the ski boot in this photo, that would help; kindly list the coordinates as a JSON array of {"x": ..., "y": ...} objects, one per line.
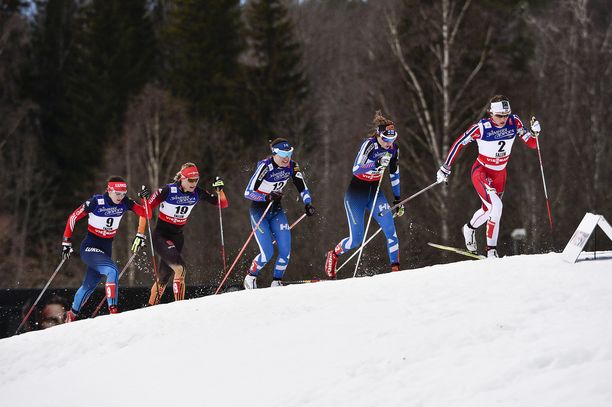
[
  {"x": 330, "y": 264},
  {"x": 469, "y": 234},
  {"x": 492, "y": 252},
  {"x": 113, "y": 309},
  {"x": 71, "y": 316},
  {"x": 276, "y": 283},
  {"x": 250, "y": 282},
  {"x": 395, "y": 267}
]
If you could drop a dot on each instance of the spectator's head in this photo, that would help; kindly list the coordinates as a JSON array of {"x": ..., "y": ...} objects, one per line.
[{"x": 53, "y": 312}]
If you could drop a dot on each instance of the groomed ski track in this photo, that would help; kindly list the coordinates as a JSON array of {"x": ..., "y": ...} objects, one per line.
[{"x": 516, "y": 331}]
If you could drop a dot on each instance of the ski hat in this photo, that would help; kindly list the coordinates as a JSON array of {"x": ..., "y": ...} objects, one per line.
[
  {"x": 282, "y": 148},
  {"x": 190, "y": 173},
  {"x": 387, "y": 132},
  {"x": 500, "y": 108},
  {"x": 117, "y": 186}
]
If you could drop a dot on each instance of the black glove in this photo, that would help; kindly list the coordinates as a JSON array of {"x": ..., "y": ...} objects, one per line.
[
  {"x": 66, "y": 249},
  {"x": 274, "y": 196},
  {"x": 144, "y": 192},
  {"x": 309, "y": 209},
  {"x": 399, "y": 211}
]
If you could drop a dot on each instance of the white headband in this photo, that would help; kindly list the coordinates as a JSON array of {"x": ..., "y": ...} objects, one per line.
[{"x": 502, "y": 107}]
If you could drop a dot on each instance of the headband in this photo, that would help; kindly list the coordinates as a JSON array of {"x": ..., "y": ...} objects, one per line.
[
  {"x": 190, "y": 172},
  {"x": 117, "y": 186}
]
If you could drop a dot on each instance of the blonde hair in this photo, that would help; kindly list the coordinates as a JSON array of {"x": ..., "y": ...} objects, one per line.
[
  {"x": 379, "y": 120},
  {"x": 178, "y": 175}
]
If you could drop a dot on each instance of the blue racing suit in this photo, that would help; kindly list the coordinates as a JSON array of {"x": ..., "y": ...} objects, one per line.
[
  {"x": 269, "y": 177},
  {"x": 360, "y": 196}
]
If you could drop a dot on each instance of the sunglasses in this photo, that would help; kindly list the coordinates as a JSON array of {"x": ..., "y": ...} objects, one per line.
[
  {"x": 118, "y": 194},
  {"x": 283, "y": 153},
  {"x": 192, "y": 180},
  {"x": 501, "y": 116}
]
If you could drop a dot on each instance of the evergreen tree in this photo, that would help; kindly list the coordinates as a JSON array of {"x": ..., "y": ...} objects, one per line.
[
  {"x": 87, "y": 62},
  {"x": 275, "y": 80},
  {"x": 201, "y": 41}
]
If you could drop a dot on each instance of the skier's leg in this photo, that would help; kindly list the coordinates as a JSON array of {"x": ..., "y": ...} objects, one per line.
[
  {"x": 355, "y": 204},
  {"x": 355, "y": 201},
  {"x": 263, "y": 237},
  {"x": 90, "y": 281},
  {"x": 388, "y": 226},
  {"x": 498, "y": 183},
  {"x": 162, "y": 247},
  {"x": 280, "y": 230}
]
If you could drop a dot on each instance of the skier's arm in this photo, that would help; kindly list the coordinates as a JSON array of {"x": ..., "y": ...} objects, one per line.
[
  {"x": 214, "y": 199},
  {"x": 525, "y": 135},
  {"x": 137, "y": 209},
  {"x": 78, "y": 214},
  {"x": 251, "y": 190},
  {"x": 466, "y": 138},
  {"x": 395, "y": 175},
  {"x": 298, "y": 180},
  {"x": 361, "y": 165}
]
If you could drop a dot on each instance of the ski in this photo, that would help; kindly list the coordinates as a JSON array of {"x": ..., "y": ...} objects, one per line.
[
  {"x": 314, "y": 280},
  {"x": 458, "y": 251}
]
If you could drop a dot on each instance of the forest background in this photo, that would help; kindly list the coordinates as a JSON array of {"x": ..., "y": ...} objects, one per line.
[{"x": 93, "y": 88}]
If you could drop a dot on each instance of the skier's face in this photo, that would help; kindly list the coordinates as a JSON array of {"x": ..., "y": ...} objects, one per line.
[
  {"x": 385, "y": 144},
  {"x": 281, "y": 161},
  {"x": 189, "y": 184},
  {"x": 499, "y": 119},
  {"x": 115, "y": 196}
]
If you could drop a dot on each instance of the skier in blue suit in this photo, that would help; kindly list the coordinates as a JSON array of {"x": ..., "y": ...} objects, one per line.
[
  {"x": 265, "y": 186},
  {"x": 377, "y": 152}
]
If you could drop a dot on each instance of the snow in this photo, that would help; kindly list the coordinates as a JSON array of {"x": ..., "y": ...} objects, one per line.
[{"x": 517, "y": 331}]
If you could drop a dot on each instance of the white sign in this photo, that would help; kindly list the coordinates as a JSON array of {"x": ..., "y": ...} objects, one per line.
[{"x": 582, "y": 234}]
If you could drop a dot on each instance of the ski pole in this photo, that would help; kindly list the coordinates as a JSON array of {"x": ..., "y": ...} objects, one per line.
[
  {"x": 118, "y": 278},
  {"x": 243, "y": 247},
  {"x": 372, "y": 209},
  {"x": 221, "y": 228},
  {"x": 40, "y": 295},
  {"x": 400, "y": 203},
  {"x": 146, "y": 206},
  {"x": 533, "y": 119}
]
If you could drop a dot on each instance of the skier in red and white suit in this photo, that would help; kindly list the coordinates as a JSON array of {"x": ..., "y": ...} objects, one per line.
[{"x": 495, "y": 136}]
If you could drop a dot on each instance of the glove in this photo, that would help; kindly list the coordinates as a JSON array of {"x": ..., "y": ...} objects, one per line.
[
  {"x": 309, "y": 209},
  {"x": 144, "y": 192},
  {"x": 218, "y": 184},
  {"x": 535, "y": 126},
  {"x": 139, "y": 241},
  {"x": 274, "y": 196},
  {"x": 399, "y": 211},
  {"x": 443, "y": 173},
  {"x": 66, "y": 249},
  {"x": 383, "y": 161}
]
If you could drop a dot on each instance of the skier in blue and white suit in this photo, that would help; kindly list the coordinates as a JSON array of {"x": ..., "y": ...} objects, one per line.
[
  {"x": 266, "y": 186},
  {"x": 376, "y": 154}
]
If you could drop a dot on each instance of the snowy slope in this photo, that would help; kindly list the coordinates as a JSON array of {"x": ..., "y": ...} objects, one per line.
[{"x": 517, "y": 331}]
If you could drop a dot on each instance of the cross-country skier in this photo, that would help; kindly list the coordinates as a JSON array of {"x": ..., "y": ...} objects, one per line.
[
  {"x": 176, "y": 201},
  {"x": 266, "y": 186},
  {"x": 104, "y": 214},
  {"x": 494, "y": 136},
  {"x": 376, "y": 153}
]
